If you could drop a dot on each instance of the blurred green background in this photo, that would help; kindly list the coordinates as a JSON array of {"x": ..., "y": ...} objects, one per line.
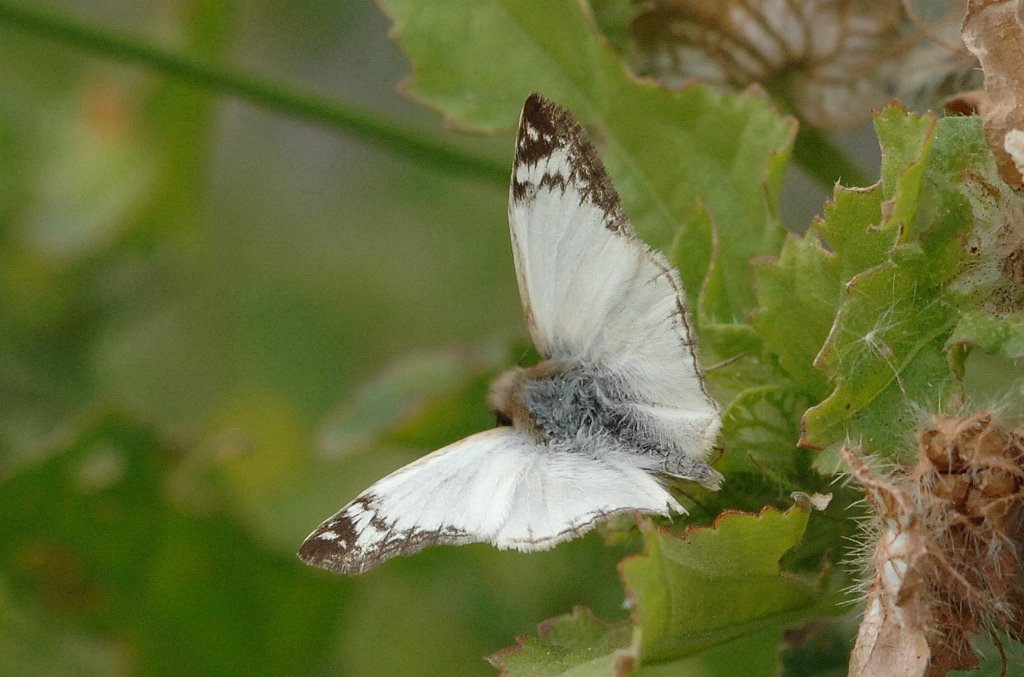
[{"x": 191, "y": 289}]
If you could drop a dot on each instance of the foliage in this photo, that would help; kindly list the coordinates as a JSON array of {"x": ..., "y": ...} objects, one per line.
[{"x": 204, "y": 351}]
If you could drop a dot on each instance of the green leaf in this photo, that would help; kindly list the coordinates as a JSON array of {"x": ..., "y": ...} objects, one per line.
[
  {"x": 1001, "y": 335},
  {"x": 578, "y": 644},
  {"x": 990, "y": 268},
  {"x": 614, "y": 17},
  {"x": 994, "y": 658},
  {"x": 964, "y": 199},
  {"x": 801, "y": 292},
  {"x": 753, "y": 655},
  {"x": 760, "y": 429},
  {"x": 716, "y": 585},
  {"x": 887, "y": 355},
  {"x": 851, "y": 227},
  {"x": 692, "y": 251},
  {"x": 723, "y": 330},
  {"x": 887, "y": 352},
  {"x": 798, "y": 295},
  {"x": 906, "y": 143},
  {"x": 664, "y": 149},
  {"x": 699, "y": 601}
]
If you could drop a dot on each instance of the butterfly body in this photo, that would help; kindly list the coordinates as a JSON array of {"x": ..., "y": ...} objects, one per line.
[
  {"x": 615, "y": 407},
  {"x": 556, "y": 401}
]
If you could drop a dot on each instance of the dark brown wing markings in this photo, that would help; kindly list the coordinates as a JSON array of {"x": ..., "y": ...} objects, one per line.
[
  {"x": 546, "y": 127},
  {"x": 342, "y": 553}
]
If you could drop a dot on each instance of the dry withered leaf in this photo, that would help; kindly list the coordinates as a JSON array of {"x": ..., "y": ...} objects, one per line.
[
  {"x": 831, "y": 61},
  {"x": 1013, "y": 144},
  {"x": 994, "y": 33},
  {"x": 828, "y": 58},
  {"x": 948, "y": 560},
  {"x": 892, "y": 638}
]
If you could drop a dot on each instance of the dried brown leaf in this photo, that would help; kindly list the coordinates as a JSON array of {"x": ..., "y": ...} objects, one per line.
[
  {"x": 1013, "y": 144},
  {"x": 994, "y": 33},
  {"x": 828, "y": 58},
  {"x": 892, "y": 636}
]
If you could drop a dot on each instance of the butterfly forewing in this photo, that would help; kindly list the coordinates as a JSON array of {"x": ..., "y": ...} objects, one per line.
[
  {"x": 607, "y": 313},
  {"x": 592, "y": 291}
]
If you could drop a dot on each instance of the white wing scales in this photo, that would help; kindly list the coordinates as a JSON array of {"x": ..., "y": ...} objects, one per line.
[
  {"x": 594, "y": 295},
  {"x": 492, "y": 487},
  {"x": 592, "y": 291}
]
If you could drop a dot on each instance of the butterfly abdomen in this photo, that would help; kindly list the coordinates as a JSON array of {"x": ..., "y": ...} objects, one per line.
[{"x": 554, "y": 402}]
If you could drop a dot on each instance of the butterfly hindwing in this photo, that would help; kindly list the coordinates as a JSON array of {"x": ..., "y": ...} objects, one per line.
[{"x": 492, "y": 487}]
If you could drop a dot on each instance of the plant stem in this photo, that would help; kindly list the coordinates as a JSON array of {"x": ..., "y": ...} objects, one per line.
[
  {"x": 813, "y": 151},
  {"x": 823, "y": 161},
  {"x": 365, "y": 125}
]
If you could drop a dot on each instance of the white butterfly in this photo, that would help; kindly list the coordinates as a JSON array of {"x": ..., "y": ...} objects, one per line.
[{"x": 617, "y": 405}]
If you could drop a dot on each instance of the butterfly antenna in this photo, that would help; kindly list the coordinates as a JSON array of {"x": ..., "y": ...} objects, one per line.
[
  {"x": 726, "y": 362},
  {"x": 693, "y": 500}
]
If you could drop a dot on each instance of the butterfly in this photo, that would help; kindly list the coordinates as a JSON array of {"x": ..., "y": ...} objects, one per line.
[{"x": 616, "y": 407}]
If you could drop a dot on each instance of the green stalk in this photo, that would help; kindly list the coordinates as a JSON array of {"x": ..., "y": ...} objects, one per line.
[
  {"x": 813, "y": 151},
  {"x": 362, "y": 124},
  {"x": 824, "y": 161}
]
